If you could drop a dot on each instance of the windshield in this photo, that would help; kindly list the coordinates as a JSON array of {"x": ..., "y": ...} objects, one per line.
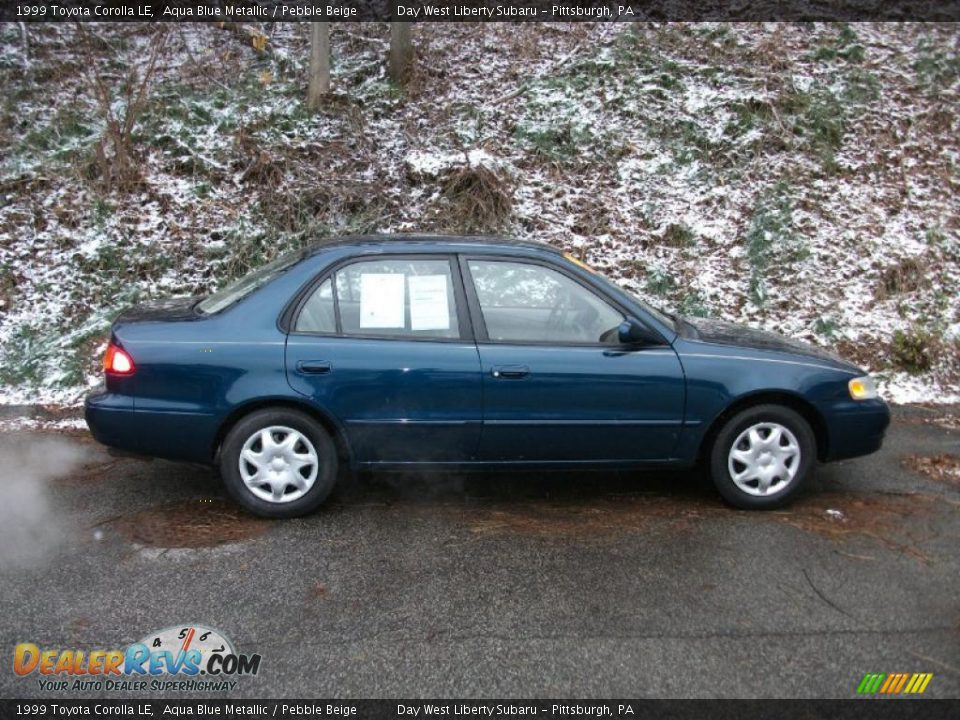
[{"x": 236, "y": 291}]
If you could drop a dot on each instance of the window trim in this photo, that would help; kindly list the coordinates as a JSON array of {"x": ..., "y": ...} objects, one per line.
[
  {"x": 480, "y": 324},
  {"x": 289, "y": 317}
]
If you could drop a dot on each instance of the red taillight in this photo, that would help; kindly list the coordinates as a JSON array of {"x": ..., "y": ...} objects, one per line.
[{"x": 117, "y": 361}]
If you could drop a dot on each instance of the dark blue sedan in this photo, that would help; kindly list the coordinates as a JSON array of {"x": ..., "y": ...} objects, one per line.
[{"x": 412, "y": 352}]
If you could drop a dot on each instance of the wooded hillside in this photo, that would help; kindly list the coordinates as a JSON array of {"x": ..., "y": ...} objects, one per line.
[{"x": 803, "y": 178}]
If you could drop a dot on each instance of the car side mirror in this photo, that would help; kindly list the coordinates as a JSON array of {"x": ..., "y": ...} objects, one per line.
[{"x": 632, "y": 332}]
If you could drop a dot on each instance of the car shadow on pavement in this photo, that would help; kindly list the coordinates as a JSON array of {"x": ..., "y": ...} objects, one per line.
[
  {"x": 163, "y": 505},
  {"x": 505, "y": 486}
]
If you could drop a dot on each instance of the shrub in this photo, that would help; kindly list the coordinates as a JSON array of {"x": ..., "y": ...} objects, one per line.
[
  {"x": 936, "y": 68},
  {"x": 906, "y": 276},
  {"x": 660, "y": 283},
  {"x": 695, "y": 305},
  {"x": 562, "y": 142},
  {"x": 843, "y": 47},
  {"x": 825, "y": 326},
  {"x": 22, "y": 356},
  {"x": 679, "y": 236},
  {"x": 913, "y": 351},
  {"x": 860, "y": 86},
  {"x": 771, "y": 237},
  {"x": 481, "y": 198}
]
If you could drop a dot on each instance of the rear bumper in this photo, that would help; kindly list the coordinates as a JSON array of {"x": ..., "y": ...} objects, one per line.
[
  {"x": 173, "y": 435},
  {"x": 856, "y": 428}
]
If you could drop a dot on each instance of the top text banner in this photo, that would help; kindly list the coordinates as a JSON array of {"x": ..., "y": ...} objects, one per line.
[{"x": 472, "y": 10}]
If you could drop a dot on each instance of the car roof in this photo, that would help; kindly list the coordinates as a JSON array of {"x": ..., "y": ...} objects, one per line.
[{"x": 438, "y": 242}]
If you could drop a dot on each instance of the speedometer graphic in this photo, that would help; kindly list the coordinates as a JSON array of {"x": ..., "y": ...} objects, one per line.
[{"x": 179, "y": 640}]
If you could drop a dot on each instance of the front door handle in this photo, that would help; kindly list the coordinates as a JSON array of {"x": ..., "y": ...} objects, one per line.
[
  {"x": 511, "y": 372},
  {"x": 314, "y": 367}
]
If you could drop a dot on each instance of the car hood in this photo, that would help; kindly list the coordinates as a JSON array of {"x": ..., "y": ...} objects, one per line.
[
  {"x": 165, "y": 310},
  {"x": 727, "y": 333}
]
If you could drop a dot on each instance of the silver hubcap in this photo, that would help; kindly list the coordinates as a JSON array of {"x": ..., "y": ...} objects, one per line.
[
  {"x": 278, "y": 464},
  {"x": 764, "y": 459}
]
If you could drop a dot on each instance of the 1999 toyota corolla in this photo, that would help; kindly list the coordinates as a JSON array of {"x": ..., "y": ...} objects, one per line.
[{"x": 400, "y": 352}]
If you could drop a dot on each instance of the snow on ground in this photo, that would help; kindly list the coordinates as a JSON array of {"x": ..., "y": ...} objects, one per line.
[
  {"x": 28, "y": 424},
  {"x": 801, "y": 178}
]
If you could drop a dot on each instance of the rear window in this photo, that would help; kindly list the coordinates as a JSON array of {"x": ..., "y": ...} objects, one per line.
[{"x": 239, "y": 289}]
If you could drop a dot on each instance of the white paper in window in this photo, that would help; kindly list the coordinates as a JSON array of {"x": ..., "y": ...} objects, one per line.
[
  {"x": 429, "y": 305},
  {"x": 381, "y": 300}
]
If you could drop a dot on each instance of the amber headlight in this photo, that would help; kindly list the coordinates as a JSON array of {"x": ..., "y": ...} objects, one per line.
[{"x": 862, "y": 388}]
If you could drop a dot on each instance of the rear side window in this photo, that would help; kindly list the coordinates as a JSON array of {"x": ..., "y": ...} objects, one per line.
[
  {"x": 318, "y": 314},
  {"x": 392, "y": 297},
  {"x": 238, "y": 290}
]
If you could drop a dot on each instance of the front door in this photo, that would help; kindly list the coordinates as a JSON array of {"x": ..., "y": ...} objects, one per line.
[
  {"x": 382, "y": 344},
  {"x": 557, "y": 385}
]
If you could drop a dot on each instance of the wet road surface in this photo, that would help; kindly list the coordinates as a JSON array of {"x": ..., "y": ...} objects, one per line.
[{"x": 579, "y": 584}]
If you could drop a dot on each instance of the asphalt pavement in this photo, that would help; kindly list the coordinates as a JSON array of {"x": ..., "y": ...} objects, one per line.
[{"x": 583, "y": 584}]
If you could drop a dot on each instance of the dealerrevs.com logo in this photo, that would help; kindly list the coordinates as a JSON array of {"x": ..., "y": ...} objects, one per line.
[{"x": 183, "y": 658}]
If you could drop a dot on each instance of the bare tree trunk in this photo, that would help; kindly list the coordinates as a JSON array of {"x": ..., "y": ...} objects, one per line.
[
  {"x": 26, "y": 45},
  {"x": 401, "y": 52},
  {"x": 319, "y": 64}
]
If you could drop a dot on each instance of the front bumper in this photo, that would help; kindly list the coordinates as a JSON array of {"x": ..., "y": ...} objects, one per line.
[{"x": 856, "y": 428}]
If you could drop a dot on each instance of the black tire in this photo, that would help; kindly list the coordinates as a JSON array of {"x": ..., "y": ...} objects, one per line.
[
  {"x": 255, "y": 422},
  {"x": 731, "y": 431}
]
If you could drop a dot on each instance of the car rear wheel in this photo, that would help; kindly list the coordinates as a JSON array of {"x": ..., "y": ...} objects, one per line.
[
  {"x": 762, "y": 456},
  {"x": 278, "y": 463}
]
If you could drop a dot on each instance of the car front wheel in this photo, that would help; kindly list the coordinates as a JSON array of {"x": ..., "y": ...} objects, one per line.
[
  {"x": 278, "y": 463},
  {"x": 762, "y": 456}
]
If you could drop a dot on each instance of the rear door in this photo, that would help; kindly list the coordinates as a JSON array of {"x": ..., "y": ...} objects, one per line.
[
  {"x": 557, "y": 385},
  {"x": 384, "y": 344}
]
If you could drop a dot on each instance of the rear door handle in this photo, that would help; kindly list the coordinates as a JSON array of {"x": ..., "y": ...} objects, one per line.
[
  {"x": 510, "y": 372},
  {"x": 314, "y": 367}
]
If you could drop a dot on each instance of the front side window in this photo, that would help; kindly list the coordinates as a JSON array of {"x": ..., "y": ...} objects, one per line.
[
  {"x": 523, "y": 302},
  {"x": 385, "y": 297}
]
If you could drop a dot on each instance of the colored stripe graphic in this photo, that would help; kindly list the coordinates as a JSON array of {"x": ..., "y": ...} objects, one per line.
[
  {"x": 901, "y": 681},
  {"x": 894, "y": 683},
  {"x": 890, "y": 681},
  {"x": 870, "y": 683},
  {"x": 912, "y": 684}
]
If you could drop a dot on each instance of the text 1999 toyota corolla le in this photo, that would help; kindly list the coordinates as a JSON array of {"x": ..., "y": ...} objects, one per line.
[{"x": 402, "y": 352}]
